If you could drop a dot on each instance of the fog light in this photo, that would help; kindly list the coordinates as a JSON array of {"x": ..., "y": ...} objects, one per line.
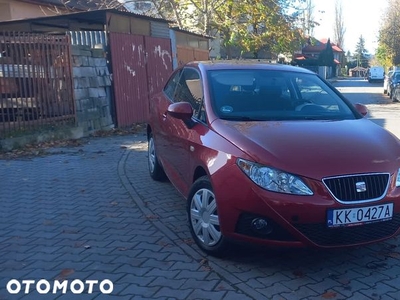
[{"x": 260, "y": 225}]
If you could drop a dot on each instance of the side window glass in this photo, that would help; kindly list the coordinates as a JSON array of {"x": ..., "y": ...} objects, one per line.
[
  {"x": 309, "y": 89},
  {"x": 190, "y": 89},
  {"x": 202, "y": 113},
  {"x": 171, "y": 85}
]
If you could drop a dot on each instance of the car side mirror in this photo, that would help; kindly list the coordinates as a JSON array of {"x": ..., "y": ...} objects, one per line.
[
  {"x": 361, "y": 108},
  {"x": 182, "y": 111}
]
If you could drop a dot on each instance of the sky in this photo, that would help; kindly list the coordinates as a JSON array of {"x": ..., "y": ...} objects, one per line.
[{"x": 361, "y": 17}]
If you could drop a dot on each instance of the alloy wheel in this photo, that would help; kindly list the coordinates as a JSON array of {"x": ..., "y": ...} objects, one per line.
[
  {"x": 152, "y": 155},
  {"x": 204, "y": 217}
]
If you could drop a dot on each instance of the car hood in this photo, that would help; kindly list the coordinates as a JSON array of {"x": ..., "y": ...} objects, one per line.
[{"x": 316, "y": 149}]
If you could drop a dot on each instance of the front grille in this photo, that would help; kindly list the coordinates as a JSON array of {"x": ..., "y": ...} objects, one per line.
[
  {"x": 340, "y": 236},
  {"x": 344, "y": 188},
  {"x": 243, "y": 226}
]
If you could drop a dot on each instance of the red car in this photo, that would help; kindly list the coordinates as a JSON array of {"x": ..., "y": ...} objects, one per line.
[{"x": 274, "y": 155}]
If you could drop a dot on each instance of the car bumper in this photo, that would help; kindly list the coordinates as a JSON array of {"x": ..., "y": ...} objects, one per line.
[{"x": 294, "y": 221}]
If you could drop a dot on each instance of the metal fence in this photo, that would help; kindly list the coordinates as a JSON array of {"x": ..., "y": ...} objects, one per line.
[
  {"x": 35, "y": 82},
  {"x": 140, "y": 67},
  {"x": 94, "y": 39}
]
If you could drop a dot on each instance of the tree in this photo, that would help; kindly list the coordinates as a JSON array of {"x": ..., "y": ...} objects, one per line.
[
  {"x": 360, "y": 53},
  {"x": 326, "y": 57},
  {"x": 339, "y": 29},
  {"x": 389, "y": 34},
  {"x": 307, "y": 19},
  {"x": 382, "y": 56},
  {"x": 251, "y": 25},
  {"x": 261, "y": 25}
]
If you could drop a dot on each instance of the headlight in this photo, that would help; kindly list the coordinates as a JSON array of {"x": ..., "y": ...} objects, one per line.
[
  {"x": 274, "y": 180},
  {"x": 398, "y": 178}
]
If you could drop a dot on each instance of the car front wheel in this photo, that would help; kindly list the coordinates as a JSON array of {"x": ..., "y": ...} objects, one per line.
[
  {"x": 155, "y": 169},
  {"x": 203, "y": 217}
]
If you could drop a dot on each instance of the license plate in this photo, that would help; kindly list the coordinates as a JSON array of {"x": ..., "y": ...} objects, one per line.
[{"x": 360, "y": 215}]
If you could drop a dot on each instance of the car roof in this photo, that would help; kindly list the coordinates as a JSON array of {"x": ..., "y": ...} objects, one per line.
[{"x": 245, "y": 64}]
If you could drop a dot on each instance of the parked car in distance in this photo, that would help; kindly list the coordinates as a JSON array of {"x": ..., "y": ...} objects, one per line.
[
  {"x": 386, "y": 81},
  {"x": 396, "y": 93},
  {"x": 273, "y": 155},
  {"x": 376, "y": 73},
  {"x": 393, "y": 80}
]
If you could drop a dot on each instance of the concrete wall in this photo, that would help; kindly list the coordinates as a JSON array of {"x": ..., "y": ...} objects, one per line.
[{"x": 92, "y": 84}]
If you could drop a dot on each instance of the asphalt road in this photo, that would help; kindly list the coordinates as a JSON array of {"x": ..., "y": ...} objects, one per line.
[{"x": 382, "y": 110}]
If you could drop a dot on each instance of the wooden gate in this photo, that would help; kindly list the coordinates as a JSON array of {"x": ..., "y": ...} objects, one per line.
[
  {"x": 186, "y": 54},
  {"x": 140, "y": 67}
]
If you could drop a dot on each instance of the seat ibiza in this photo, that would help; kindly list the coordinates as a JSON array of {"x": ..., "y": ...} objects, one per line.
[{"x": 274, "y": 155}]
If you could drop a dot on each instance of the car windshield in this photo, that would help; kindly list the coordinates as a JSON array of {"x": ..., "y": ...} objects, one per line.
[{"x": 274, "y": 95}]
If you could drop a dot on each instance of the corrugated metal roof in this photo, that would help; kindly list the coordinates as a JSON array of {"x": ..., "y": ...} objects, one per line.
[
  {"x": 175, "y": 28},
  {"x": 94, "y": 16},
  {"x": 72, "y": 4}
]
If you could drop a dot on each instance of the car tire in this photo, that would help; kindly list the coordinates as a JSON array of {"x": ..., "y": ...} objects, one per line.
[
  {"x": 395, "y": 97},
  {"x": 155, "y": 169},
  {"x": 203, "y": 218}
]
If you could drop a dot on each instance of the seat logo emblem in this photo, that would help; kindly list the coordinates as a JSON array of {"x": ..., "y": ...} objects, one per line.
[{"x": 361, "y": 187}]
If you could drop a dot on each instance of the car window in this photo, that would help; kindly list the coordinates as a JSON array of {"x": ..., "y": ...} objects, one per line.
[
  {"x": 277, "y": 95},
  {"x": 189, "y": 89},
  {"x": 171, "y": 85}
]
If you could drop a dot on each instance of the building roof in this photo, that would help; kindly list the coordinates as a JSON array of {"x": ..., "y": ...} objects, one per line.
[
  {"x": 177, "y": 29},
  {"x": 305, "y": 57},
  {"x": 321, "y": 45},
  {"x": 71, "y": 4},
  {"x": 60, "y": 23}
]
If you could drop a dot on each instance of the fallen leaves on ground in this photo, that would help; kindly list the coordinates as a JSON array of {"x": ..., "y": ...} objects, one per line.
[
  {"x": 329, "y": 295},
  {"x": 39, "y": 149},
  {"x": 205, "y": 264},
  {"x": 298, "y": 273},
  {"x": 152, "y": 217},
  {"x": 136, "y": 128},
  {"x": 64, "y": 274}
]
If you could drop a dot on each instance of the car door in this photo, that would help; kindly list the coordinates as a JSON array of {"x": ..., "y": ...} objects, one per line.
[
  {"x": 158, "y": 110},
  {"x": 177, "y": 133}
]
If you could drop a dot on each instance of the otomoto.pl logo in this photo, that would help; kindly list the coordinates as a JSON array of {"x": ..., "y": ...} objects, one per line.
[{"x": 43, "y": 286}]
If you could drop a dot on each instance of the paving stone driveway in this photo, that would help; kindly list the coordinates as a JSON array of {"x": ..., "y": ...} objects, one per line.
[{"x": 92, "y": 213}]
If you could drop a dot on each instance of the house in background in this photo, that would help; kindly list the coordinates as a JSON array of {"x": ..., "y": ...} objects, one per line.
[
  {"x": 313, "y": 49},
  {"x": 311, "y": 52}
]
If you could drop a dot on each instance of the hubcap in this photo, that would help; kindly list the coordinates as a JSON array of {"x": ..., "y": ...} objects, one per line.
[
  {"x": 204, "y": 217},
  {"x": 152, "y": 155}
]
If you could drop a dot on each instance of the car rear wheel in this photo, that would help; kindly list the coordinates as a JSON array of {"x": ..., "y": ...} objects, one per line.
[
  {"x": 203, "y": 218},
  {"x": 155, "y": 169},
  {"x": 395, "y": 96}
]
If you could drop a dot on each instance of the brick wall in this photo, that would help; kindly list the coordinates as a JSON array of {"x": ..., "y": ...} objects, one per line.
[{"x": 92, "y": 85}]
